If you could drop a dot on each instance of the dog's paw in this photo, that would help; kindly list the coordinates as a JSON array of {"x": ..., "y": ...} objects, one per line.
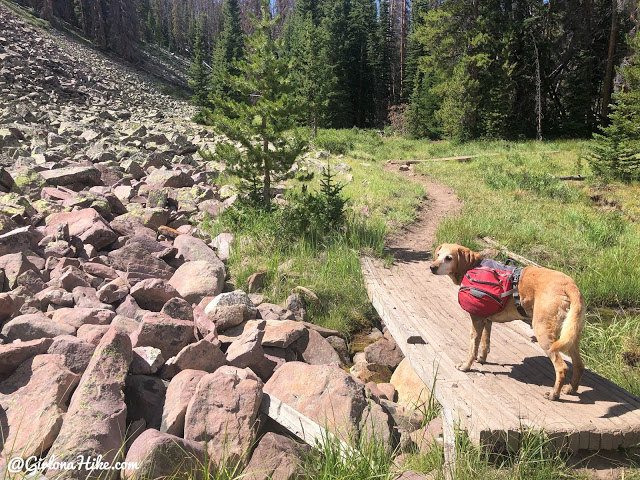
[
  {"x": 551, "y": 396},
  {"x": 463, "y": 367},
  {"x": 568, "y": 390},
  {"x": 482, "y": 359}
]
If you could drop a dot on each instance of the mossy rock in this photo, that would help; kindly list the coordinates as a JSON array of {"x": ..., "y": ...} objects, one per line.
[
  {"x": 14, "y": 204},
  {"x": 28, "y": 182}
]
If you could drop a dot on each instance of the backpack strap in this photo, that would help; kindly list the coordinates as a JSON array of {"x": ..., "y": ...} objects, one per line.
[{"x": 516, "y": 292}]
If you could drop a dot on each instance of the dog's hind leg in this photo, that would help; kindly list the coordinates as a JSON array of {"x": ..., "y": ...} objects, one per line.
[
  {"x": 477, "y": 326},
  {"x": 485, "y": 342},
  {"x": 578, "y": 369},
  {"x": 561, "y": 369}
]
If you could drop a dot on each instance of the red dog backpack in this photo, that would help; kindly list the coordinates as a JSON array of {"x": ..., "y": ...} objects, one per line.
[{"x": 484, "y": 290}]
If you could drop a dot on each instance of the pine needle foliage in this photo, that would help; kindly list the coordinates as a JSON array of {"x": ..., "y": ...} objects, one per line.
[
  {"x": 616, "y": 151},
  {"x": 258, "y": 118}
]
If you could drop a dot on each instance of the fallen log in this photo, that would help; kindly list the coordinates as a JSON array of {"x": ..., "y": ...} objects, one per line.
[
  {"x": 463, "y": 158},
  {"x": 577, "y": 178},
  {"x": 509, "y": 253}
]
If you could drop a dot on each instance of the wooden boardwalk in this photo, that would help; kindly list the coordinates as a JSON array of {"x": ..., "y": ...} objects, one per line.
[{"x": 496, "y": 401}]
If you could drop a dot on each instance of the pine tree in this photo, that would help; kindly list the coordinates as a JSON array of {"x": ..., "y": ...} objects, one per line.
[
  {"x": 381, "y": 58},
  {"x": 228, "y": 51},
  {"x": 260, "y": 114},
  {"x": 616, "y": 151},
  {"x": 199, "y": 72}
]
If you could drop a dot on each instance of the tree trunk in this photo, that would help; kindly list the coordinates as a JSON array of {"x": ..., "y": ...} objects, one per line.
[
  {"x": 266, "y": 192},
  {"x": 608, "y": 79},
  {"x": 538, "y": 91}
]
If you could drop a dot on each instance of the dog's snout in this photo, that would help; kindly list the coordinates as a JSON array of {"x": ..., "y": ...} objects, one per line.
[{"x": 434, "y": 268}]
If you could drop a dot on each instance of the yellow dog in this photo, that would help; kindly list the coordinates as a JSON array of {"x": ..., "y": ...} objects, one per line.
[{"x": 550, "y": 298}]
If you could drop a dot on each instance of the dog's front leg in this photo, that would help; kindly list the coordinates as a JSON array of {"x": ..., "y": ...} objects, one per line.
[
  {"x": 477, "y": 325},
  {"x": 485, "y": 343}
]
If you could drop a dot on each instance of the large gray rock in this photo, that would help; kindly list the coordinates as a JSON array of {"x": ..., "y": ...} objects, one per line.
[
  {"x": 33, "y": 400},
  {"x": 223, "y": 413},
  {"x": 34, "y": 326},
  {"x": 161, "y": 178},
  {"x": 198, "y": 279},
  {"x": 161, "y": 455},
  {"x": 179, "y": 394},
  {"x": 146, "y": 361},
  {"x": 98, "y": 402}
]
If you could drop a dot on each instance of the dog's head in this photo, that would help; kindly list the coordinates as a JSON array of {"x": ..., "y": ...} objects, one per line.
[{"x": 454, "y": 260}]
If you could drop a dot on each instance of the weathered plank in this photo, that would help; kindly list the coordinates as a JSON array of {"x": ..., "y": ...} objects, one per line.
[
  {"x": 299, "y": 424},
  {"x": 515, "y": 256}
]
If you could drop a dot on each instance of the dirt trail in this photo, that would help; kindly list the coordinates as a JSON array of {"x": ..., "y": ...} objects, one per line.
[{"x": 414, "y": 243}]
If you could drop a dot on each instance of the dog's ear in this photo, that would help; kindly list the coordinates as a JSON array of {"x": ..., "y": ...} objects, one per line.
[
  {"x": 435, "y": 252},
  {"x": 467, "y": 259}
]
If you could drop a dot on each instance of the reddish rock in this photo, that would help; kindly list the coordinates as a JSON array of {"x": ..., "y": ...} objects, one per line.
[
  {"x": 256, "y": 282},
  {"x": 76, "y": 317},
  {"x": 13, "y": 354},
  {"x": 382, "y": 390},
  {"x": 113, "y": 291},
  {"x": 76, "y": 352},
  {"x": 225, "y": 317},
  {"x": 426, "y": 437},
  {"x": 179, "y": 394},
  {"x": 98, "y": 401},
  {"x": 282, "y": 333},
  {"x": 198, "y": 279},
  {"x": 223, "y": 413},
  {"x": 315, "y": 350},
  {"x": 328, "y": 396},
  {"x": 87, "y": 297},
  {"x": 276, "y": 457},
  {"x": 85, "y": 224},
  {"x": 203, "y": 355},
  {"x": 99, "y": 270},
  {"x": 384, "y": 352},
  {"x": 192, "y": 249},
  {"x": 270, "y": 311},
  {"x": 203, "y": 325},
  {"x": 92, "y": 334},
  {"x": 146, "y": 361},
  {"x": 152, "y": 294},
  {"x": 161, "y": 455},
  {"x": 14, "y": 265},
  {"x": 168, "y": 334},
  {"x": 72, "y": 277},
  {"x": 7, "y": 306},
  {"x": 34, "y": 326},
  {"x": 135, "y": 257},
  {"x": 246, "y": 350},
  {"x": 178, "y": 308},
  {"x": 33, "y": 400},
  {"x": 54, "y": 296},
  {"x": 162, "y": 178}
]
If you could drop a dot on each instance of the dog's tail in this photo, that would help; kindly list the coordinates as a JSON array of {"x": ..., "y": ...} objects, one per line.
[{"x": 574, "y": 321}]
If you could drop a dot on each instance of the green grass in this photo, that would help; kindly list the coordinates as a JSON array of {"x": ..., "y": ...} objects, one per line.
[{"x": 378, "y": 203}]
